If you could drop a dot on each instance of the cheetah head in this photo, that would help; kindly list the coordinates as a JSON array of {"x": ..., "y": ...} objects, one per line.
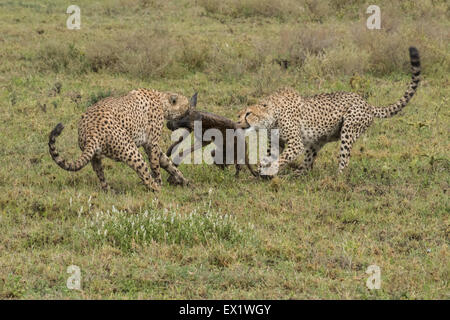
[
  {"x": 258, "y": 116},
  {"x": 177, "y": 105}
]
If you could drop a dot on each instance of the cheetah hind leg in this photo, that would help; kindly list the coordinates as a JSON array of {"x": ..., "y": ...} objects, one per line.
[
  {"x": 351, "y": 130},
  {"x": 98, "y": 168}
]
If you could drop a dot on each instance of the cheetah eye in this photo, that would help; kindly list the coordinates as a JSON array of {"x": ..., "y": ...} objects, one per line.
[{"x": 173, "y": 99}]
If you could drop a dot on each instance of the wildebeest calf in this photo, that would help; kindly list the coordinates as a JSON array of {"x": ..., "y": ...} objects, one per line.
[{"x": 210, "y": 121}]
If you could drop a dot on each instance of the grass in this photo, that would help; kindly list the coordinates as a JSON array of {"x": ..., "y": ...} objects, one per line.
[
  {"x": 125, "y": 230},
  {"x": 311, "y": 237}
]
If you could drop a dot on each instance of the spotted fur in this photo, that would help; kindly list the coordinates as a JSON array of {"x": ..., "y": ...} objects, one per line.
[
  {"x": 116, "y": 127},
  {"x": 307, "y": 123}
]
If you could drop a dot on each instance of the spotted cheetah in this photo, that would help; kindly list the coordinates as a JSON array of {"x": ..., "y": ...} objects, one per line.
[
  {"x": 116, "y": 127},
  {"x": 307, "y": 123}
]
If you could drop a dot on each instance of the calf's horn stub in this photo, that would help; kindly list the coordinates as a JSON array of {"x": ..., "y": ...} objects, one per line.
[{"x": 193, "y": 100}]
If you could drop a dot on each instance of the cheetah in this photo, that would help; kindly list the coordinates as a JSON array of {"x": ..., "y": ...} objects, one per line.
[
  {"x": 116, "y": 127},
  {"x": 306, "y": 124}
]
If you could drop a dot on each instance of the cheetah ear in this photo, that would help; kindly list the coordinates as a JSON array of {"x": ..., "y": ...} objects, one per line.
[
  {"x": 173, "y": 99},
  {"x": 193, "y": 101}
]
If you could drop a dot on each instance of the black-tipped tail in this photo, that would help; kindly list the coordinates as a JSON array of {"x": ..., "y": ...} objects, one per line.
[
  {"x": 57, "y": 130},
  {"x": 85, "y": 157},
  {"x": 393, "y": 109}
]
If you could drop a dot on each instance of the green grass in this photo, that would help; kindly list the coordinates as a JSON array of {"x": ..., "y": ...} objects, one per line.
[
  {"x": 311, "y": 237},
  {"x": 124, "y": 230}
]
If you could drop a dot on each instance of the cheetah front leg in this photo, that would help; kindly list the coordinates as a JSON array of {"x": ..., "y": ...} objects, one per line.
[
  {"x": 152, "y": 151},
  {"x": 294, "y": 148},
  {"x": 135, "y": 160},
  {"x": 176, "y": 177},
  {"x": 308, "y": 161}
]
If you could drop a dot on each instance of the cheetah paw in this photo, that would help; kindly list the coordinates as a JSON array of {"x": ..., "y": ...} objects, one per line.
[{"x": 177, "y": 180}]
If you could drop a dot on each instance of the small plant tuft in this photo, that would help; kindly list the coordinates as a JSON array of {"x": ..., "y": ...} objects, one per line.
[{"x": 127, "y": 231}]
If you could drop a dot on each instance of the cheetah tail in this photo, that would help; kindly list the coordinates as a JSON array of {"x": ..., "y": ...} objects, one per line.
[
  {"x": 393, "y": 109},
  {"x": 85, "y": 157}
]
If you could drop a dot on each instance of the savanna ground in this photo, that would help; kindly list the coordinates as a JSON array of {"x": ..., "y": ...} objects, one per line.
[{"x": 311, "y": 237}]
